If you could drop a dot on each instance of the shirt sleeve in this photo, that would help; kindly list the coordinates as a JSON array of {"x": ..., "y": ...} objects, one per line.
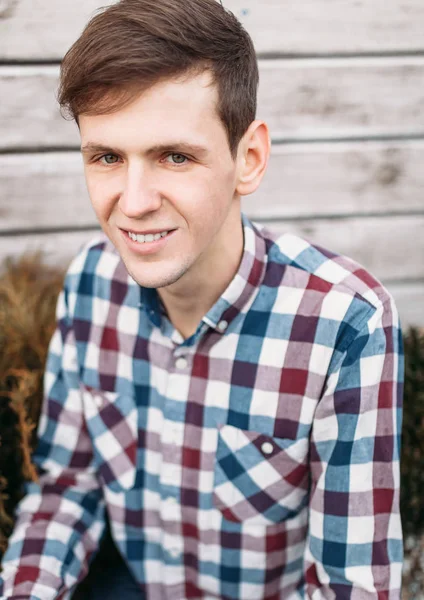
[
  {"x": 354, "y": 548},
  {"x": 61, "y": 519}
]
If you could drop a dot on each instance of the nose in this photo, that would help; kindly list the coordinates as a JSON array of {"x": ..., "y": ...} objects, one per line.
[{"x": 139, "y": 196}]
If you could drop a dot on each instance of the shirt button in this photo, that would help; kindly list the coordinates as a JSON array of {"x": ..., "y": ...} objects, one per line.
[
  {"x": 174, "y": 435},
  {"x": 222, "y": 325},
  {"x": 267, "y": 448},
  {"x": 174, "y": 552},
  {"x": 181, "y": 363},
  {"x": 171, "y": 501}
]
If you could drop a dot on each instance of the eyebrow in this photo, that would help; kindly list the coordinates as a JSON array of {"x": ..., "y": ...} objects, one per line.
[{"x": 181, "y": 146}]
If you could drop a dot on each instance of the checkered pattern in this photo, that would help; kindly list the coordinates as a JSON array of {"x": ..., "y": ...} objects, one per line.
[{"x": 258, "y": 459}]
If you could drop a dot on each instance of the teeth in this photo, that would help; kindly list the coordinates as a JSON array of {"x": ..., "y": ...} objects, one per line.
[{"x": 149, "y": 237}]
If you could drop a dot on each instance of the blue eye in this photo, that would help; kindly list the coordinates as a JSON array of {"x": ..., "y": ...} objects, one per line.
[
  {"x": 177, "y": 159},
  {"x": 106, "y": 158}
]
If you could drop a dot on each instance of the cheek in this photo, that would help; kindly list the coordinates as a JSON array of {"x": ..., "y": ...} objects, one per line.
[
  {"x": 209, "y": 198},
  {"x": 101, "y": 194},
  {"x": 220, "y": 199},
  {"x": 205, "y": 211}
]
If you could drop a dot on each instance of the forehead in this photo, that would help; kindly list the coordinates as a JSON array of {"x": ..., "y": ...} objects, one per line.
[{"x": 179, "y": 106}]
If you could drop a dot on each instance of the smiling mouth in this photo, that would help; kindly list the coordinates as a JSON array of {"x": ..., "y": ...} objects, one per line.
[{"x": 148, "y": 237}]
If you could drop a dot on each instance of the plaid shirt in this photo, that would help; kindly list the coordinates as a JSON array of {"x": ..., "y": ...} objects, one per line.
[{"x": 258, "y": 459}]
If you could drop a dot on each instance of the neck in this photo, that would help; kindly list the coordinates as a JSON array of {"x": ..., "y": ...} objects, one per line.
[{"x": 189, "y": 299}]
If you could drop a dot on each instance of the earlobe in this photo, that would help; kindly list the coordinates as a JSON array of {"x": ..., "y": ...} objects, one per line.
[{"x": 255, "y": 150}]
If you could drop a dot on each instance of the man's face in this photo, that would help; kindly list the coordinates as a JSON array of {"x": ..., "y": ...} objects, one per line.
[{"x": 162, "y": 180}]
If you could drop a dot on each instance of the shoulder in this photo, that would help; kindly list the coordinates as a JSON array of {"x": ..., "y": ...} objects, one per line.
[
  {"x": 96, "y": 273},
  {"x": 329, "y": 286},
  {"x": 333, "y": 269}
]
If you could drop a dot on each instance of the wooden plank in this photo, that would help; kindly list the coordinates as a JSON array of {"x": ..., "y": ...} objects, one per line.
[
  {"x": 59, "y": 248},
  {"x": 348, "y": 178},
  {"x": 44, "y": 29},
  {"x": 317, "y": 98},
  {"x": 29, "y": 113},
  {"x": 343, "y": 178},
  {"x": 332, "y": 26},
  {"x": 48, "y": 190},
  {"x": 409, "y": 300},
  {"x": 390, "y": 247},
  {"x": 342, "y": 97},
  {"x": 43, "y": 191}
]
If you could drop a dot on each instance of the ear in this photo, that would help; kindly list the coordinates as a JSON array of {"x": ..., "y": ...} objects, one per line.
[{"x": 253, "y": 155}]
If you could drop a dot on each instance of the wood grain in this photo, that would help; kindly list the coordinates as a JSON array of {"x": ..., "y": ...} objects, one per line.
[
  {"x": 332, "y": 26},
  {"x": 299, "y": 99},
  {"x": 342, "y": 97},
  {"x": 29, "y": 113},
  {"x": 43, "y": 191},
  {"x": 303, "y": 180},
  {"x": 59, "y": 249},
  {"x": 44, "y": 29},
  {"x": 344, "y": 178},
  {"x": 392, "y": 248}
]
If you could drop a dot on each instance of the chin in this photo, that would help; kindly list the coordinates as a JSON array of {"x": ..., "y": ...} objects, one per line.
[{"x": 154, "y": 277}]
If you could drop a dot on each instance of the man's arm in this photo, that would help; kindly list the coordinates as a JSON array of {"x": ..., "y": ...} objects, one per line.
[
  {"x": 354, "y": 548},
  {"x": 61, "y": 519}
]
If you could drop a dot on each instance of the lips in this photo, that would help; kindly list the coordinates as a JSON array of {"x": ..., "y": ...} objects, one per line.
[
  {"x": 148, "y": 242},
  {"x": 147, "y": 231},
  {"x": 147, "y": 237}
]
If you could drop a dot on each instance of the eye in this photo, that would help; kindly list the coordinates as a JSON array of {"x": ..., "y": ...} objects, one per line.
[
  {"x": 109, "y": 159},
  {"x": 176, "y": 159}
]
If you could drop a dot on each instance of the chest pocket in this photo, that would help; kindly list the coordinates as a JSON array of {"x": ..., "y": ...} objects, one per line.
[
  {"x": 259, "y": 479},
  {"x": 112, "y": 423}
]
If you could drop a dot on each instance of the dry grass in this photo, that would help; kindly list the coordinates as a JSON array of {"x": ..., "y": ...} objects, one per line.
[
  {"x": 412, "y": 466},
  {"x": 28, "y": 295}
]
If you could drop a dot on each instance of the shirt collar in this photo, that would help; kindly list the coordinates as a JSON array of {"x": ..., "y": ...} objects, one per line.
[
  {"x": 240, "y": 293},
  {"x": 243, "y": 288}
]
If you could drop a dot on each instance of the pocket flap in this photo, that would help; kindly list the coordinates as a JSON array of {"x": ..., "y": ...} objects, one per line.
[
  {"x": 258, "y": 477},
  {"x": 112, "y": 422}
]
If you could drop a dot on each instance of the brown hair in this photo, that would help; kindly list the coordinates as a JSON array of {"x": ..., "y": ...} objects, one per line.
[{"x": 129, "y": 46}]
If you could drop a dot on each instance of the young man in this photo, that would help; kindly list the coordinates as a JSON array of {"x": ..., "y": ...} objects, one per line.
[{"x": 228, "y": 397}]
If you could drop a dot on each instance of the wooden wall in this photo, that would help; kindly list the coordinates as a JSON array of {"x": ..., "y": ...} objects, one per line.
[{"x": 342, "y": 87}]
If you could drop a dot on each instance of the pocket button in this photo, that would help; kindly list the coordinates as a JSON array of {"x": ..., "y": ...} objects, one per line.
[
  {"x": 181, "y": 363},
  {"x": 267, "y": 448}
]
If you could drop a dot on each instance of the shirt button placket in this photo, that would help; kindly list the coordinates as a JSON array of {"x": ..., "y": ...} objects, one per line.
[
  {"x": 173, "y": 429},
  {"x": 223, "y": 325},
  {"x": 181, "y": 363},
  {"x": 170, "y": 474},
  {"x": 171, "y": 470}
]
